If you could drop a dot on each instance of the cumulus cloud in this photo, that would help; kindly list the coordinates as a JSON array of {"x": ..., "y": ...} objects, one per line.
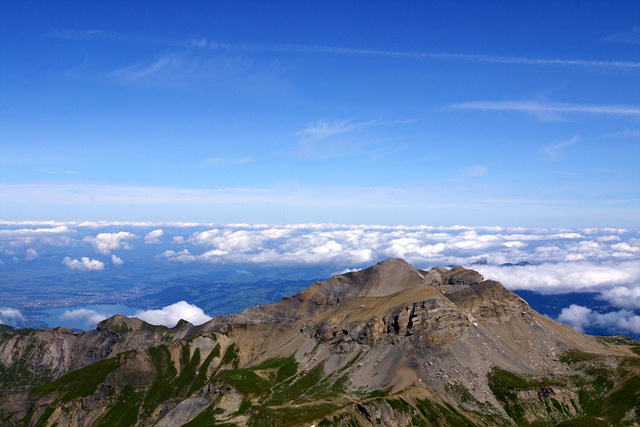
[
  {"x": 179, "y": 240},
  {"x": 106, "y": 242},
  {"x": 625, "y": 247},
  {"x": 582, "y": 318},
  {"x": 171, "y": 314},
  {"x": 626, "y": 296},
  {"x": 11, "y": 316},
  {"x": 31, "y": 254},
  {"x": 91, "y": 317},
  {"x": 154, "y": 236},
  {"x": 116, "y": 260},
  {"x": 84, "y": 264}
]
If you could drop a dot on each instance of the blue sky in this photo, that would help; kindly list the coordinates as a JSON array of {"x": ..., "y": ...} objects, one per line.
[{"x": 438, "y": 113}]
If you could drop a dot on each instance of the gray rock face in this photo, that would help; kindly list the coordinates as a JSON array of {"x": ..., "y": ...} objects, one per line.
[{"x": 422, "y": 324}]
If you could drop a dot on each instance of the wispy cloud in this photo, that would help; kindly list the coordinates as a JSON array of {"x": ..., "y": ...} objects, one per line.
[
  {"x": 626, "y": 133},
  {"x": 325, "y": 128},
  {"x": 554, "y": 151},
  {"x": 182, "y": 70},
  {"x": 322, "y": 138},
  {"x": 477, "y": 171},
  {"x": 221, "y": 161},
  {"x": 631, "y": 36},
  {"x": 203, "y": 43},
  {"x": 59, "y": 171},
  {"x": 222, "y": 73},
  {"x": 109, "y": 36},
  {"x": 535, "y": 107},
  {"x": 323, "y": 199}
]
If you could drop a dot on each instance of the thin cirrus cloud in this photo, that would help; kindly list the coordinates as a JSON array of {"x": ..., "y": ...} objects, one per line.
[
  {"x": 554, "y": 151},
  {"x": 203, "y": 43},
  {"x": 629, "y": 37},
  {"x": 323, "y": 137},
  {"x": 234, "y": 75},
  {"x": 477, "y": 171},
  {"x": 221, "y": 161},
  {"x": 625, "y": 133},
  {"x": 535, "y": 107},
  {"x": 180, "y": 70},
  {"x": 326, "y": 128}
]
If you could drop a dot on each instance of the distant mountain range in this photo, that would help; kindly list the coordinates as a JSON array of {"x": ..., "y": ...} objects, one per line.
[{"x": 390, "y": 345}]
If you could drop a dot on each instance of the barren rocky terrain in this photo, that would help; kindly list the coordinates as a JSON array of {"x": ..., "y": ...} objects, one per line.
[{"x": 390, "y": 345}]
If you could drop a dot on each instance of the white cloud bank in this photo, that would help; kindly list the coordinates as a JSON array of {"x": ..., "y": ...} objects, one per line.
[
  {"x": 172, "y": 314},
  {"x": 58, "y": 235},
  {"x": 84, "y": 264},
  {"x": 565, "y": 276},
  {"x": 581, "y": 318}
]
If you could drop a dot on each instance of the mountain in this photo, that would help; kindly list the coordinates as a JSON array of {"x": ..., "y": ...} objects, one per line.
[{"x": 390, "y": 345}]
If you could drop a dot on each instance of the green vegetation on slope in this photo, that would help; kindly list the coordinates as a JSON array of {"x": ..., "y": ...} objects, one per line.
[{"x": 80, "y": 383}]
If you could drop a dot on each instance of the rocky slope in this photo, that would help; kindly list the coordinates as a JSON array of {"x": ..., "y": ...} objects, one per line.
[{"x": 387, "y": 346}]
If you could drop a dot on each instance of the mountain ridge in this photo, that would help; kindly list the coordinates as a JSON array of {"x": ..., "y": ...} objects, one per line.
[{"x": 389, "y": 345}]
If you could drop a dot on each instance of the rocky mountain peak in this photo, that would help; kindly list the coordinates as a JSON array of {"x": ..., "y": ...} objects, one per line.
[
  {"x": 385, "y": 278},
  {"x": 120, "y": 324}
]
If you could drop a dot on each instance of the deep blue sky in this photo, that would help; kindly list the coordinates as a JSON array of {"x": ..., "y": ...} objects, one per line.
[{"x": 440, "y": 113}]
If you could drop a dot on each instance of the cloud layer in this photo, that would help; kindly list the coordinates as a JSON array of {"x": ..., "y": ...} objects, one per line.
[{"x": 601, "y": 260}]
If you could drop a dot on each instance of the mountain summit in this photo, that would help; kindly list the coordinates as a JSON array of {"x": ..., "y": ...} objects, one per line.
[{"x": 390, "y": 345}]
